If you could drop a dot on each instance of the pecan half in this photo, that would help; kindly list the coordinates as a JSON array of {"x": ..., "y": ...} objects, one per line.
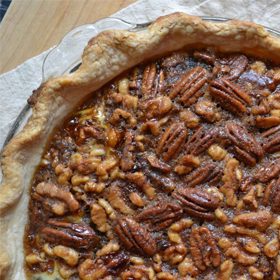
[
  {"x": 160, "y": 216},
  {"x": 203, "y": 248},
  {"x": 79, "y": 236},
  {"x": 268, "y": 172},
  {"x": 206, "y": 56},
  {"x": 128, "y": 158},
  {"x": 149, "y": 78},
  {"x": 209, "y": 172},
  {"x": 267, "y": 122},
  {"x": 245, "y": 146},
  {"x": 272, "y": 195},
  {"x": 157, "y": 164},
  {"x": 135, "y": 237},
  {"x": 201, "y": 140},
  {"x": 197, "y": 203},
  {"x": 161, "y": 182},
  {"x": 54, "y": 192},
  {"x": 172, "y": 141},
  {"x": 237, "y": 65},
  {"x": 275, "y": 197},
  {"x": 260, "y": 220},
  {"x": 230, "y": 96},
  {"x": 272, "y": 140},
  {"x": 189, "y": 86}
]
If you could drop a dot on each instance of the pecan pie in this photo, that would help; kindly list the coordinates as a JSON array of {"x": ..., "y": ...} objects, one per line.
[{"x": 169, "y": 170}]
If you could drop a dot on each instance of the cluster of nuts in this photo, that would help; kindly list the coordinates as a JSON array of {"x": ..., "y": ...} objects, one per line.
[{"x": 159, "y": 179}]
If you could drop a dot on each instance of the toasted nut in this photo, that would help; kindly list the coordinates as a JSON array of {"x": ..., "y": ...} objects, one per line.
[
  {"x": 99, "y": 217},
  {"x": 258, "y": 67},
  {"x": 175, "y": 254},
  {"x": 190, "y": 119},
  {"x": 252, "y": 247},
  {"x": 225, "y": 270},
  {"x": 165, "y": 276},
  {"x": 186, "y": 267},
  {"x": 181, "y": 225},
  {"x": 94, "y": 187},
  {"x": 174, "y": 237},
  {"x": 224, "y": 243},
  {"x": 278, "y": 265},
  {"x": 117, "y": 202},
  {"x": 69, "y": 255},
  {"x": 232, "y": 229},
  {"x": 271, "y": 248},
  {"x": 255, "y": 273},
  {"x": 137, "y": 260},
  {"x": 108, "y": 208},
  {"x": 136, "y": 199},
  {"x": 66, "y": 272},
  {"x": 77, "y": 180},
  {"x": 48, "y": 250},
  {"x": 216, "y": 152},
  {"x": 109, "y": 248},
  {"x": 207, "y": 110},
  {"x": 32, "y": 259},
  {"x": 220, "y": 214},
  {"x": 240, "y": 256}
]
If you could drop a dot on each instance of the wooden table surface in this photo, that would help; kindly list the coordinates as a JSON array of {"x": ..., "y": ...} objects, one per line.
[{"x": 32, "y": 26}]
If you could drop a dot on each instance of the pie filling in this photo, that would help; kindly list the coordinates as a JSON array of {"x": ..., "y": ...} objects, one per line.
[{"x": 171, "y": 171}]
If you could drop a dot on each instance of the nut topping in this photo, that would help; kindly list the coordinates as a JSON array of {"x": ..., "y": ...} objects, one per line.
[
  {"x": 272, "y": 140},
  {"x": 160, "y": 216},
  {"x": 268, "y": 172},
  {"x": 72, "y": 235},
  {"x": 158, "y": 164},
  {"x": 172, "y": 141},
  {"x": 260, "y": 220},
  {"x": 207, "y": 173},
  {"x": 246, "y": 146},
  {"x": 135, "y": 237},
  {"x": 189, "y": 86},
  {"x": 102, "y": 267},
  {"x": 140, "y": 180},
  {"x": 204, "y": 250},
  {"x": 159, "y": 167},
  {"x": 157, "y": 107},
  {"x": 231, "y": 181},
  {"x": 230, "y": 96},
  {"x": 128, "y": 159},
  {"x": 201, "y": 140},
  {"x": 197, "y": 203},
  {"x": 149, "y": 77},
  {"x": 272, "y": 195},
  {"x": 54, "y": 192},
  {"x": 237, "y": 64}
]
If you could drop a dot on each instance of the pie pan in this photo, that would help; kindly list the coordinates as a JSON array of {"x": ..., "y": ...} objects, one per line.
[{"x": 107, "y": 55}]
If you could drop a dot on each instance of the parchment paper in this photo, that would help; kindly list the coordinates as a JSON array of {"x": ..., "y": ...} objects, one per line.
[{"x": 17, "y": 85}]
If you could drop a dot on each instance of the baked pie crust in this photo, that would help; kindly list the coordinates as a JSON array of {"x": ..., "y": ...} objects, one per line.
[{"x": 105, "y": 57}]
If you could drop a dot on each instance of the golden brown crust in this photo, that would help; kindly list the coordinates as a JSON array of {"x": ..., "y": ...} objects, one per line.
[{"x": 106, "y": 56}]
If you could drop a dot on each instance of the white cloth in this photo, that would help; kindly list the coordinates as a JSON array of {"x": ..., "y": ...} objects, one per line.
[{"x": 17, "y": 85}]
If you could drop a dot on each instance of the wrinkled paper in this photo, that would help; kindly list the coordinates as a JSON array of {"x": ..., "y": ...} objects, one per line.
[{"x": 17, "y": 85}]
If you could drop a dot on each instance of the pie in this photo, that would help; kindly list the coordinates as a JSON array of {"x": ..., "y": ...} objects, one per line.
[{"x": 159, "y": 158}]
